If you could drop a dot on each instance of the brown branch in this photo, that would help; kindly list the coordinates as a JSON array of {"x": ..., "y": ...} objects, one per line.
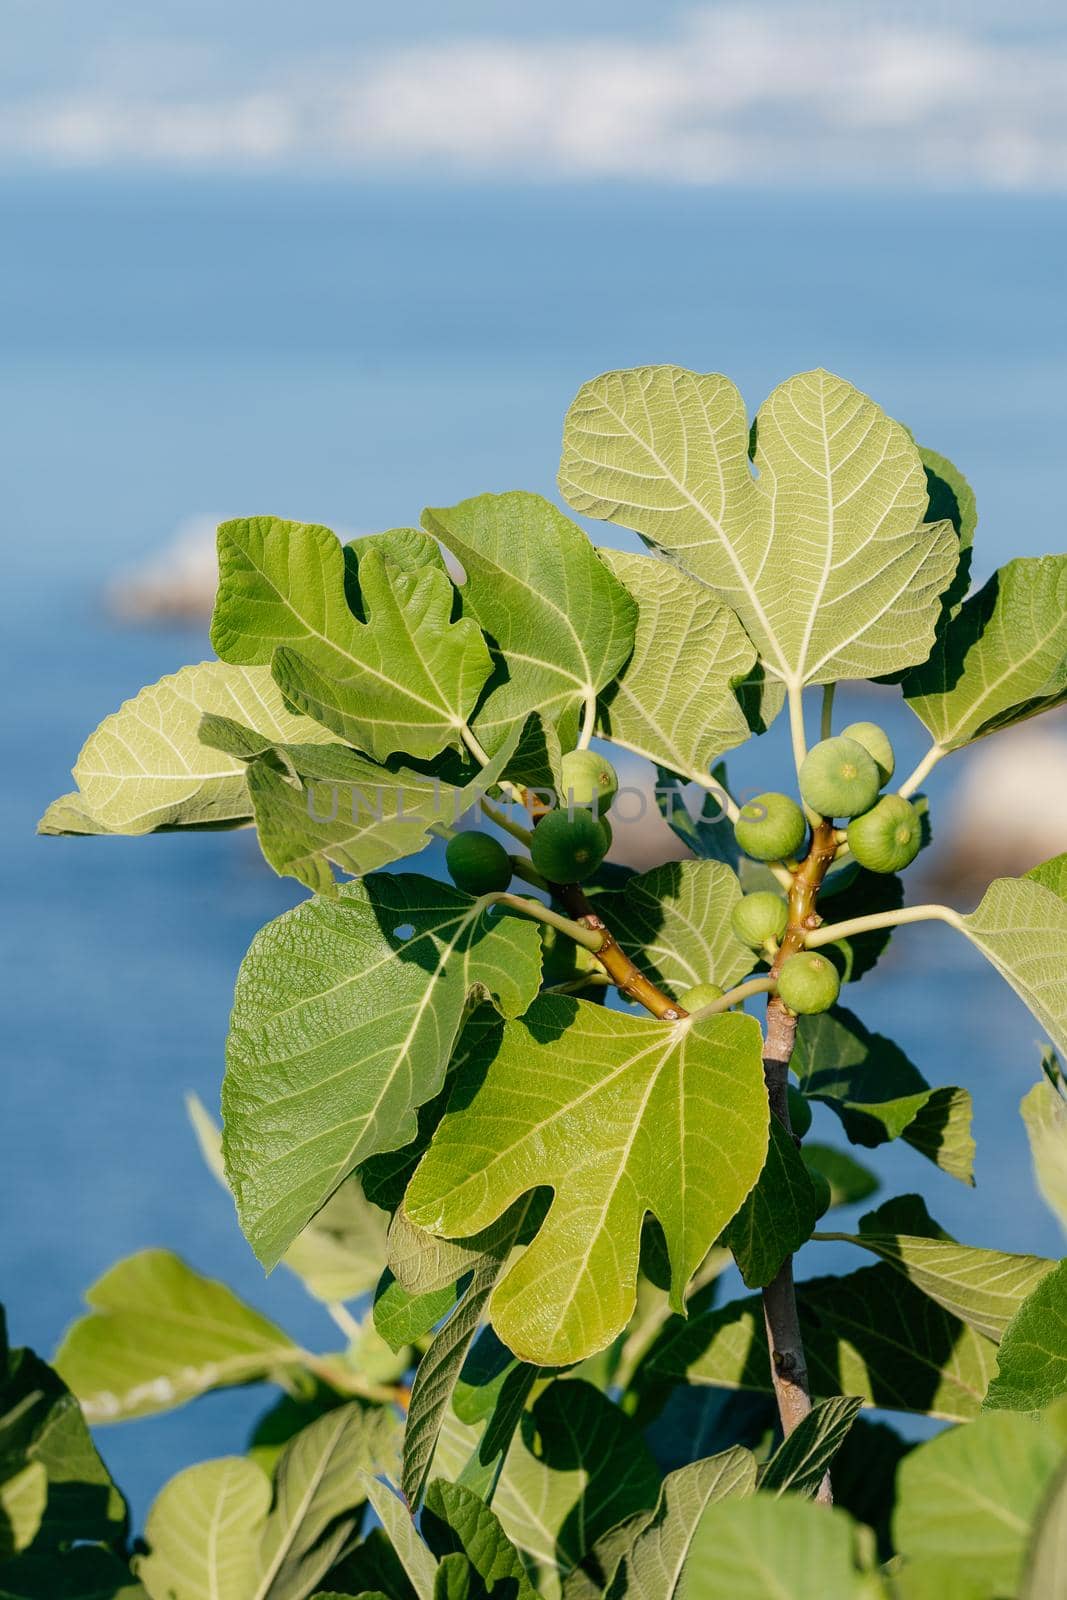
[
  {"x": 627, "y": 978},
  {"x": 789, "y": 1367}
]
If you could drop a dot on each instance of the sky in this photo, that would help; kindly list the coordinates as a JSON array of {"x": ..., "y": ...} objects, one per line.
[{"x": 962, "y": 94}]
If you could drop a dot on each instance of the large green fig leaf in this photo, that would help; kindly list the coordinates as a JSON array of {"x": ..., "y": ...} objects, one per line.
[
  {"x": 674, "y": 923},
  {"x": 217, "y": 1531},
  {"x": 1001, "y": 659},
  {"x": 1032, "y": 1359},
  {"x": 582, "y": 1100},
  {"x": 345, "y": 1014},
  {"x": 869, "y": 1334},
  {"x": 653, "y": 1566},
  {"x": 203, "y": 1532},
  {"x": 869, "y": 1083},
  {"x": 761, "y": 1547},
  {"x": 823, "y": 553},
  {"x": 1046, "y": 1558},
  {"x": 965, "y": 1500},
  {"x": 1021, "y": 927},
  {"x": 404, "y": 679},
  {"x": 559, "y": 623},
  {"x": 674, "y": 700},
  {"x": 158, "y": 1334},
  {"x": 145, "y": 767}
]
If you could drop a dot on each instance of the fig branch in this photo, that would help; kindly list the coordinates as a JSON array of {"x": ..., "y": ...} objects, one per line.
[{"x": 877, "y": 920}]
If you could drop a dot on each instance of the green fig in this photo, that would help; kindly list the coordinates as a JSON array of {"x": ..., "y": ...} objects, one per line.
[
  {"x": 478, "y": 863},
  {"x": 588, "y": 780},
  {"x": 808, "y": 982},
  {"x": 770, "y": 828},
  {"x": 568, "y": 848},
  {"x": 839, "y": 778},
  {"x": 799, "y": 1112},
  {"x": 701, "y": 994},
  {"x": 824, "y": 1195},
  {"x": 886, "y": 838},
  {"x": 875, "y": 741},
  {"x": 760, "y": 919}
]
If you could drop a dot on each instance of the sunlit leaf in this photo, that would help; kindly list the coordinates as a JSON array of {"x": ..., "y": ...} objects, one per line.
[
  {"x": 823, "y": 553},
  {"x": 1044, "y": 1112},
  {"x": 344, "y": 1017},
  {"x": 758, "y": 1547},
  {"x": 578, "y": 1098},
  {"x": 1021, "y": 927},
  {"x": 674, "y": 923},
  {"x": 653, "y": 1566},
  {"x": 1032, "y": 1359}
]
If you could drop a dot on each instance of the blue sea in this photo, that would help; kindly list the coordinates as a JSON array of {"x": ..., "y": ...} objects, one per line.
[{"x": 346, "y": 355}]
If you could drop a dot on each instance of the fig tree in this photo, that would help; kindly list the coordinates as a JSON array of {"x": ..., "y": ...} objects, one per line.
[
  {"x": 701, "y": 994},
  {"x": 568, "y": 848},
  {"x": 808, "y": 982},
  {"x": 799, "y": 1112},
  {"x": 886, "y": 838},
  {"x": 588, "y": 780},
  {"x": 770, "y": 828},
  {"x": 839, "y": 778},
  {"x": 760, "y": 919},
  {"x": 875, "y": 741},
  {"x": 478, "y": 863}
]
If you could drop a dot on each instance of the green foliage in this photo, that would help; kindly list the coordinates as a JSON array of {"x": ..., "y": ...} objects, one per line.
[{"x": 448, "y": 1108}]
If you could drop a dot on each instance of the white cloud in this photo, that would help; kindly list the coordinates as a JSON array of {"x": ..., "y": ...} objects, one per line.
[{"x": 791, "y": 93}]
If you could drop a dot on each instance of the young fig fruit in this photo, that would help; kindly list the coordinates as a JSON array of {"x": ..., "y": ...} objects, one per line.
[
  {"x": 568, "y": 848},
  {"x": 808, "y": 983},
  {"x": 760, "y": 919},
  {"x": 839, "y": 778},
  {"x": 770, "y": 828},
  {"x": 799, "y": 1112},
  {"x": 588, "y": 780},
  {"x": 875, "y": 741},
  {"x": 701, "y": 994},
  {"x": 824, "y": 1195},
  {"x": 478, "y": 863},
  {"x": 887, "y": 837}
]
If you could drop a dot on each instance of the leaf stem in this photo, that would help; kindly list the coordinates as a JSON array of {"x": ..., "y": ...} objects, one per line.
[
  {"x": 733, "y": 997},
  {"x": 503, "y": 820},
  {"x": 831, "y": 932},
  {"x": 719, "y": 791},
  {"x": 627, "y": 978},
  {"x": 344, "y": 1319},
  {"x": 588, "y": 722},
  {"x": 926, "y": 766},
  {"x": 482, "y": 758},
  {"x": 826, "y": 725},
  {"x": 796, "y": 725},
  {"x": 588, "y": 938}
]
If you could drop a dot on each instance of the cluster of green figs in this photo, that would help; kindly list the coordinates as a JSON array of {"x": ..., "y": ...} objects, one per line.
[{"x": 841, "y": 780}]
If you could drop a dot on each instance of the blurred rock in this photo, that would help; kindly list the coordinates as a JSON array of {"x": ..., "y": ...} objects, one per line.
[
  {"x": 1008, "y": 809},
  {"x": 176, "y": 585}
]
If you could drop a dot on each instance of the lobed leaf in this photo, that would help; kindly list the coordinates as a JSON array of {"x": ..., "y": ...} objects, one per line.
[
  {"x": 823, "y": 554},
  {"x": 342, "y": 1027},
  {"x": 145, "y": 767},
  {"x": 579, "y": 1099},
  {"x": 674, "y": 699},
  {"x": 559, "y": 623},
  {"x": 404, "y": 679}
]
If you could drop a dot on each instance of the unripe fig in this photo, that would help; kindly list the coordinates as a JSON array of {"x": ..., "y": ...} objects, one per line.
[
  {"x": 808, "y": 983},
  {"x": 839, "y": 778},
  {"x": 588, "y": 780},
  {"x": 886, "y": 838},
  {"x": 875, "y": 741},
  {"x": 568, "y": 848},
  {"x": 770, "y": 828},
  {"x": 799, "y": 1112},
  {"x": 478, "y": 863},
  {"x": 760, "y": 919},
  {"x": 701, "y": 994},
  {"x": 824, "y": 1197}
]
